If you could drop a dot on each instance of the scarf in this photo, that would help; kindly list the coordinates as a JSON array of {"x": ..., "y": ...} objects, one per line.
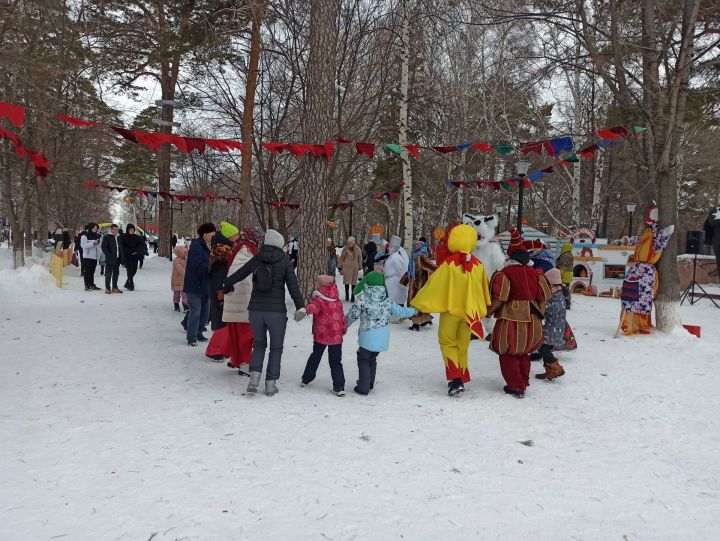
[{"x": 420, "y": 249}]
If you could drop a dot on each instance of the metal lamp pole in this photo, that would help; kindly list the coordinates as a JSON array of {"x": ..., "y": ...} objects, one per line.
[
  {"x": 522, "y": 168},
  {"x": 631, "y": 210},
  {"x": 172, "y": 218},
  {"x": 351, "y": 202}
]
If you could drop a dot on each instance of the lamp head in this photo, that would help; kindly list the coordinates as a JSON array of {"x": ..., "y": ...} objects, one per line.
[{"x": 522, "y": 167}]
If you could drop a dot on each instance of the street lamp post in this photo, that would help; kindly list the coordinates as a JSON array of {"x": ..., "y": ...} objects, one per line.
[
  {"x": 521, "y": 167},
  {"x": 172, "y": 218},
  {"x": 351, "y": 202},
  {"x": 631, "y": 211}
]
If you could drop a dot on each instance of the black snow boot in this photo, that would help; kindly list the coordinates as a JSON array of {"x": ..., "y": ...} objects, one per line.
[
  {"x": 201, "y": 337},
  {"x": 415, "y": 327},
  {"x": 177, "y": 306},
  {"x": 455, "y": 387},
  {"x": 347, "y": 293},
  {"x": 513, "y": 392}
]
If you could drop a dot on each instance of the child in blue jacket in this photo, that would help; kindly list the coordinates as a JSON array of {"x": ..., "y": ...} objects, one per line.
[{"x": 373, "y": 309}]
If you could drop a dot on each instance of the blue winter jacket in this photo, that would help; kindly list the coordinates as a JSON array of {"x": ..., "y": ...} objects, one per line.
[
  {"x": 197, "y": 270},
  {"x": 373, "y": 309}
]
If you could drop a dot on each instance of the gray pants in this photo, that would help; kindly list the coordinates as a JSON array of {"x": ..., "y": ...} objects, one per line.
[{"x": 263, "y": 323}]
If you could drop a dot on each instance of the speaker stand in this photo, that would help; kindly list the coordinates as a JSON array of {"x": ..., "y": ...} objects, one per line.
[{"x": 689, "y": 292}]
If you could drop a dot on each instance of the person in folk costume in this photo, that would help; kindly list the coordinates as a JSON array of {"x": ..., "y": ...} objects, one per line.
[
  {"x": 519, "y": 294},
  {"x": 238, "y": 333},
  {"x": 565, "y": 263},
  {"x": 395, "y": 267},
  {"x": 419, "y": 268},
  {"x": 641, "y": 282},
  {"x": 553, "y": 328},
  {"x": 458, "y": 290},
  {"x": 222, "y": 244}
]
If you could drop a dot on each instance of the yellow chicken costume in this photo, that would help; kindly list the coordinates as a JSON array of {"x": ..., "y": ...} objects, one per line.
[{"x": 458, "y": 291}]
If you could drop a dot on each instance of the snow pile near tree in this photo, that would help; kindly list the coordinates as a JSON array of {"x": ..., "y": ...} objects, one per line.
[
  {"x": 113, "y": 428},
  {"x": 33, "y": 278}
]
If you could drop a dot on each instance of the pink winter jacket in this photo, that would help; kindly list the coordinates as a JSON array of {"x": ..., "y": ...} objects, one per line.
[
  {"x": 178, "y": 269},
  {"x": 329, "y": 323}
]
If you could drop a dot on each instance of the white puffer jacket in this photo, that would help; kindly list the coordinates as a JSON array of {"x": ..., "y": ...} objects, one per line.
[{"x": 235, "y": 306}]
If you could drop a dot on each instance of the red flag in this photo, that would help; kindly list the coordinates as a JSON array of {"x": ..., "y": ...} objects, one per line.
[
  {"x": 589, "y": 152},
  {"x": 237, "y": 145},
  {"x": 274, "y": 148},
  {"x": 14, "y": 113},
  {"x": 365, "y": 148},
  {"x": 445, "y": 150},
  {"x": 76, "y": 121},
  {"x": 412, "y": 150},
  {"x": 195, "y": 143},
  {"x": 532, "y": 148},
  {"x": 483, "y": 147},
  {"x": 612, "y": 134},
  {"x": 298, "y": 149},
  {"x": 127, "y": 134},
  {"x": 343, "y": 141}
]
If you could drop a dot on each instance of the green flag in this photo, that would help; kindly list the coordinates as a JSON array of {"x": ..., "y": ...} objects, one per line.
[
  {"x": 503, "y": 149},
  {"x": 397, "y": 149}
]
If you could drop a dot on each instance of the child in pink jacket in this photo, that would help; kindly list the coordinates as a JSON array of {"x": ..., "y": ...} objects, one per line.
[{"x": 329, "y": 326}]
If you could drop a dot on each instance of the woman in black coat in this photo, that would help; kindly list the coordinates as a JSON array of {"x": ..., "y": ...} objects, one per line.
[{"x": 134, "y": 249}]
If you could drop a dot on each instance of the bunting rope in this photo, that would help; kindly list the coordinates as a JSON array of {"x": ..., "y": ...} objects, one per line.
[
  {"x": 153, "y": 140},
  {"x": 164, "y": 196},
  {"x": 607, "y": 136}
]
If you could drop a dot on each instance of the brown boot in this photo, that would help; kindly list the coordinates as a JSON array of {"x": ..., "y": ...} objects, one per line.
[
  {"x": 552, "y": 370},
  {"x": 116, "y": 290}
]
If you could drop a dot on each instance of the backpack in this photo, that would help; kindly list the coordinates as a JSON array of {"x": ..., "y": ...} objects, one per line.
[{"x": 263, "y": 278}]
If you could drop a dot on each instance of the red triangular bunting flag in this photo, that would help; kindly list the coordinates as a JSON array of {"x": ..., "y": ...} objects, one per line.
[
  {"x": 365, "y": 148},
  {"x": 14, "y": 113},
  {"x": 412, "y": 150},
  {"x": 274, "y": 148},
  {"x": 76, "y": 121},
  {"x": 483, "y": 147}
]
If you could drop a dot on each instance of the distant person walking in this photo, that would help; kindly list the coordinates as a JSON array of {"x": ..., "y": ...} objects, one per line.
[{"x": 349, "y": 264}]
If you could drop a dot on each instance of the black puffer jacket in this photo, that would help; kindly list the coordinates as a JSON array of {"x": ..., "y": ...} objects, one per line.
[
  {"x": 283, "y": 275},
  {"x": 133, "y": 245}
]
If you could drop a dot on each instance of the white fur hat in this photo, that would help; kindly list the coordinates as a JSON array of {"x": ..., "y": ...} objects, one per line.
[{"x": 273, "y": 238}]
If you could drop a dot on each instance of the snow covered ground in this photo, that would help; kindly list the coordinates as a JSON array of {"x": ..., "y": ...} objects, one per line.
[{"x": 112, "y": 428}]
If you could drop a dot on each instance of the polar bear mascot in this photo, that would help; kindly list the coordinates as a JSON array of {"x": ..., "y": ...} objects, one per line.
[{"x": 488, "y": 251}]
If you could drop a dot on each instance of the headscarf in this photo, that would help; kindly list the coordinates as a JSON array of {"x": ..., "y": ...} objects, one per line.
[
  {"x": 420, "y": 248},
  {"x": 252, "y": 237}
]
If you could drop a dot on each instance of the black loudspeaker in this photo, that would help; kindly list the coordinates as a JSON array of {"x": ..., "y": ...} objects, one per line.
[{"x": 694, "y": 241}]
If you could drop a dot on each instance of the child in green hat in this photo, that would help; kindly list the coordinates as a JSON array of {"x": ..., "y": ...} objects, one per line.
[{"x": 373, "y": 309}]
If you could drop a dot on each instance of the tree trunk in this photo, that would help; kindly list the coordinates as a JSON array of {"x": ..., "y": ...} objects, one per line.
[
  {"x": 403, "y": 125},
  {"x": 248, "y": 113},
  {"x": 667, "y": 305},
  {"x": 317, "y": 128}
]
